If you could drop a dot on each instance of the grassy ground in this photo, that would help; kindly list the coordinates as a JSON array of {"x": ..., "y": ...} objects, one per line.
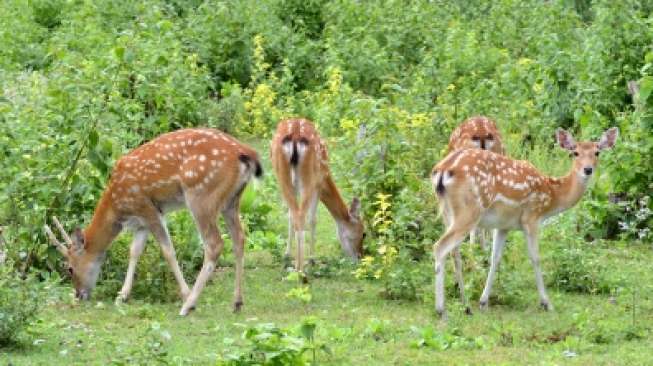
[{"x": 357, "y": 325}]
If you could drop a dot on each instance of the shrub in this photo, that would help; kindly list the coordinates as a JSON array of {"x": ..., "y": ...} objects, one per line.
[
  {"x": 20, "y": 299},
  {"x": 267, "y": 344},
  {"x": 578, "y": 269}
]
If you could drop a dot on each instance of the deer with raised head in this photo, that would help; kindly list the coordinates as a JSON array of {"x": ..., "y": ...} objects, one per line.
[
  {"x": 481, "y": 188},
  {"x": 204, "y": 170},
  {"x": 477, "y": 132},
  {"x": 301, "y": 164}
]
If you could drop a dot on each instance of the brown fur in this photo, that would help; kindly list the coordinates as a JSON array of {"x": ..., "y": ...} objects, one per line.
[{"x": 298, "y": 151}]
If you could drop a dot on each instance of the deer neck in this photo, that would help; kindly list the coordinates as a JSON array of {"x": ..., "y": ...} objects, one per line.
[
  {"x": 103, "y": 228},
  {"x": 331, "y": 198},
  {"x": 568, "y": 190}
]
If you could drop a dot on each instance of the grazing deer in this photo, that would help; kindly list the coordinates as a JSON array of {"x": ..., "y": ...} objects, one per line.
[
  {"x": 478, "y": 132},
  {"x": 479, "y": 187},
  {"x": 202, "y": 169},
  {"x": 300, "y": 162}
]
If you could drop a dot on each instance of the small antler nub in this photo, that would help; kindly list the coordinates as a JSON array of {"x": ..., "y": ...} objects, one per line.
[
  {"x": 60, "y": 247},
  {"x": 64, "y": 234}
]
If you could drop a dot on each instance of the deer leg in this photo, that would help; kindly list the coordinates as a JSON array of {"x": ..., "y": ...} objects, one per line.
[
  {"x": 291, "y": 234},
  {"x": 312, "y": 216},
  {"x": 448, "y": 242},
  {"x": 533, "y": 252},
  {"x": 135, "y": 251},
  {"x": 206, "y": 223},
  {"x": 458, "y": 266},
  {"x": 160, "y": 231},
  {"x": 232, "y": 220},
  {"x": 498, "y": 245}
]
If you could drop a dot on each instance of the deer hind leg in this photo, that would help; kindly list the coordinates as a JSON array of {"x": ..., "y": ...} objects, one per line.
[
  {"x": 157, "y": 227},
  {"x": 498, "y": 245},
  {"x": 312, "y": 220},
  {"x": 291, "y": 234},
  {"x": 205, "y": 219},
  {"x": 450, "y": 241},
  {"x": 230, "y": 214},
  {"x": 135, "y": 251}
]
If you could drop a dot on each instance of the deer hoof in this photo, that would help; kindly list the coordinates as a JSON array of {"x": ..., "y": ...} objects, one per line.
[
  {"x": 483, "y": 305},
  {"x": 546, "y": 306},
  {"x": 237, "y": 306},
  {"x": 468, "y": 310}
]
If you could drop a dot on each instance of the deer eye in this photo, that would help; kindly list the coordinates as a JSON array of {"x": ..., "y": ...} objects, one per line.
[
  {"x": 596, "y": 153},
  {"x": 489, "y": 137},
  {"x": 70, "y": 271},
  {"x": 475, "y": 138},
  {"x": 576, "y": 153},
  {"x": 364, "y": 235}
]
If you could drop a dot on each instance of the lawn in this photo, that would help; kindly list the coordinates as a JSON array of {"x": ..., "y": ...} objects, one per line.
[{"x": 358, "y": 326}]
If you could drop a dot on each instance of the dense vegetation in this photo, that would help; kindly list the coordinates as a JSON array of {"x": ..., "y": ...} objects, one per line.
[{"x": 82, "y": 82}]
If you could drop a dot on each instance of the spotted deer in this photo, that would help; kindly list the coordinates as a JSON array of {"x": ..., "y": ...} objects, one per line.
[
  {"x": 202, "y": 169},
  {"x": 479, "y": 187},
  {"x": 478, "y": 132},
  {"x": 301, "y": 164}
]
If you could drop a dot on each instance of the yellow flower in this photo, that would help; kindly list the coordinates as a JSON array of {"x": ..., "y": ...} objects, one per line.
[
  {"x": 378, "y": 273},
  {"x": 367, "y": 260},
  {"x": 537, "y": 87},
  {"x": 524, "y": 61},
  {"x": 348, "y": 124}
]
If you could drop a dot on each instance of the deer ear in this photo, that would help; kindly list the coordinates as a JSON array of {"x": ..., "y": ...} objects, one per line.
[
  {"x": 608, "y": 139},
  {"x": 565, "y": 139},
  {"x": 355, "y": 208},
  {"x": 78, "y": 239}
]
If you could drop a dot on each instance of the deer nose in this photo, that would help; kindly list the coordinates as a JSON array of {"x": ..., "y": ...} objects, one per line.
[{"x": 588, "y": 171}]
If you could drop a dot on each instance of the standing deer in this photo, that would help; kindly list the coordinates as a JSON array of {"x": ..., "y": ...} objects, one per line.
[
  {"x": 301, "y": 164},
  {"x": 479, "y": 187},
  {"x": 202, "y": 169},
  {"x": 476, "y": 133}
]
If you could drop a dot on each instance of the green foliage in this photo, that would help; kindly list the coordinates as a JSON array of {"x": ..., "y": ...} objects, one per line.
[
  {"x": 154, "y": 350},
  {"x": 20, "y": 301},
  {"x": 82, "y": 82},
  {"x": 577, "y": 268},
  {"x": 267, "y": 344},
  {"x": 446, "y": 340}
]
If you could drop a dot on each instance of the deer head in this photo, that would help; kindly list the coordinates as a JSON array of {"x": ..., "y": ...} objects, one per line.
[
  {"x": 352, "y": 232},
  {"x": 586, "y": 154},
  {"x": 83, "y": 267}
]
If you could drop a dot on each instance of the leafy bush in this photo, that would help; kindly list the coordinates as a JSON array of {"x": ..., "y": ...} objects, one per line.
[
  {"x": 267, "y": 344},
  {"x": 441, "y": 341},
  {"x": 20, "y": 300},
  {"x": 578, "y": 269}
]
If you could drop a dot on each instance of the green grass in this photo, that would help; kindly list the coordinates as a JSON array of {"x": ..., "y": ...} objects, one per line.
[{"x": 598, "y": 329}]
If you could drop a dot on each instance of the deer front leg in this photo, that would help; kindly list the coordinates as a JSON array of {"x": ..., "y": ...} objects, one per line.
[
  {"x": 135, "y": 251},
  {"x": 498, "y": 244},
  {"x": 458, "y": 265},
  {"x": 158, "y": 228},
  {"x": 531, "y": 232}
]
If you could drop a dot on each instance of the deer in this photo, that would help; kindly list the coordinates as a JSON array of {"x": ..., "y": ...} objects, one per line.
[
  {"x": 477, "y": 132},
  {"x": 301, "y": 165},
  {"x": 202, "y": 169},
  {"x": 481, "y": 188}
]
